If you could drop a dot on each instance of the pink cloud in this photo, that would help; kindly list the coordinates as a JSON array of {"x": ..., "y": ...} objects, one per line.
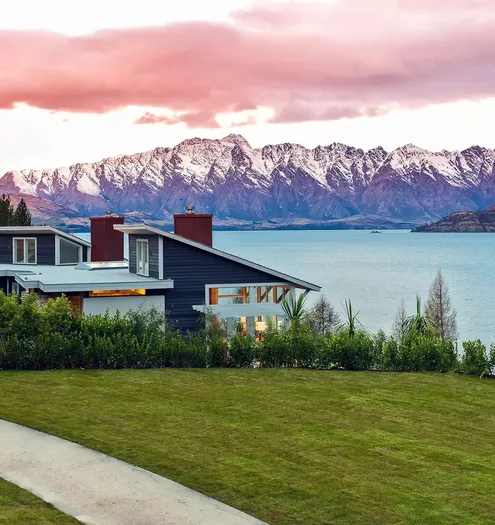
[
  {"x": 151, "y": 118},
  {"x": 305, "y": 61}
]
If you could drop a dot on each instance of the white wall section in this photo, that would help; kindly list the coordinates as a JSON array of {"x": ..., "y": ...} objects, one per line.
[{"x": 99, "y": 305}]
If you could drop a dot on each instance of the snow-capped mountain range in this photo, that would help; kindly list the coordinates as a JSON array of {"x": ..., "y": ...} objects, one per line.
[{"x": 284, "y": 181}]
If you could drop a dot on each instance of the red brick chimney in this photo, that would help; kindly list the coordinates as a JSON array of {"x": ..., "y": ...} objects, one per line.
[
  {"x": 107, "y": 244},
  {"x": 195, "y": 226}
]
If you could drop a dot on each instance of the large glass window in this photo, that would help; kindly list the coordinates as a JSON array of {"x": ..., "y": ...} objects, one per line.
[
  {"x": 70, "y": 252},
  {"x": 241, "y": 295},
  {"x": 229, "y": 295},
  {"x": 142, "y": 257},
  {"x": 24, "y": 250}
]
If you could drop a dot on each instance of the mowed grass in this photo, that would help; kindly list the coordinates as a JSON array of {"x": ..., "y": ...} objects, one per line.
[
  {"x": 288, "y": 446},
  {"x": 19, "y": 507}
]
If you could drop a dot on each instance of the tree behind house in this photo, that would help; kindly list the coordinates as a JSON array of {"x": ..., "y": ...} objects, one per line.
[
  {"x": 323, "y": 318},
  {"x": 6, "y": 211},
  {"x": 22, "y": 216},
  {"x": 439, "y": 312},
  {"x": 399, "y": 328}
]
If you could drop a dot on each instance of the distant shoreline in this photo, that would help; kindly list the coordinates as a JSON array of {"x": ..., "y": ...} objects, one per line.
[
  {"x": 361, "y": 223},
  {"x": 75, "y": 229}
]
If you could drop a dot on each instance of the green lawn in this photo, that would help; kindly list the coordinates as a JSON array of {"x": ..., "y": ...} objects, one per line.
[
  {"x": 19, "y": 507},
  {"x": 289, "y": 446}
]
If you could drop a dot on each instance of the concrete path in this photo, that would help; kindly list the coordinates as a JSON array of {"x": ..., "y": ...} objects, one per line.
[{"x": 99, "y": 490}]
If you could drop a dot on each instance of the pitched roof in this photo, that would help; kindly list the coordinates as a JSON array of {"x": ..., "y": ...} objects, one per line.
[
  {"x": 33, "y": 230},
  {"x": 145, "y": 229}
]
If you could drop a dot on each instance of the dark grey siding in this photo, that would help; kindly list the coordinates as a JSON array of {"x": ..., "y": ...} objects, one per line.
[
  {"x": 46, "y": 249},
  {"x": 85, "y": 254},
  {"x": 132, "y": 253},
  {"x": 6, "y": 249},
  {"x": 192, "y": 269},
  {"x": 154, "y": 257},
  {"x": 45, "y": 246},
  {"x": 3, "y": 284}
]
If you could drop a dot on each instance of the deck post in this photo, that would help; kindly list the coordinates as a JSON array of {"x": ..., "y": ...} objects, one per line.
[
  {"x": 251, "y": 326},
  {"x": 230, "y": 326}
]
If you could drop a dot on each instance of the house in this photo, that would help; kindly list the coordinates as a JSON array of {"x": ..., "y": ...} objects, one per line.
[{"x": 180, "y": 273}]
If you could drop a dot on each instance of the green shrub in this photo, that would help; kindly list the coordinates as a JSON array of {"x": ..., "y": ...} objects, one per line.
[
  {"x": 241, "y": 351},
  {"x": 275, "y": 349},
  {"x": 13, "y": 355},
  {"x": 37, "y": 335},
  {"x": 304, "y": 345},
  {"x": 193, "y": 351},
  {"x": 431, "y": 354},
  {"x": 475, "y": 359},
  {"x": 418, "y": 353},
  {"x": 351, "y": 350},
  {"x": 390, "y": 358},
  {"x": 379, "y": 340}
]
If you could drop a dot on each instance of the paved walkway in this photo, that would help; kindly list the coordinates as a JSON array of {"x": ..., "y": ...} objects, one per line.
[{"x": 99, "y": 490}]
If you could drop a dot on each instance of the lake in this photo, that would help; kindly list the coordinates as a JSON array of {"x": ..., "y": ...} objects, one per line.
[{"x": 376, "y": 271}]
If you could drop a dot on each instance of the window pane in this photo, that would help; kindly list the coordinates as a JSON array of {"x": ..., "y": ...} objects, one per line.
[
  {"x": 230, "y": 300},
  {"x": 142, "y": 257},
  {"x": 229, "y": 291},
  {"x": 232, "y": 295},
  {"x": 19, "y": 251},
  {"x": 139, "y": 256},
  {"x": 69, "y": 252},
  {"x": 31, "y": 250}
]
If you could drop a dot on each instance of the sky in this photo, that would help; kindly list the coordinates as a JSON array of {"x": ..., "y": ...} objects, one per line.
[{"x": 80, "y": 81}]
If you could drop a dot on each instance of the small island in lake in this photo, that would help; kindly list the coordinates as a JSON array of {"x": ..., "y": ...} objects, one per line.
[{"x": 463, "y": 221}]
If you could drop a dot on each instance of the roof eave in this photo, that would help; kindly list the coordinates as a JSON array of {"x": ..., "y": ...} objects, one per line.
[
  {"x": 165, "y": 284},
  {"x": 44, "y": 229},
  {"x": 146, "y": 229}
]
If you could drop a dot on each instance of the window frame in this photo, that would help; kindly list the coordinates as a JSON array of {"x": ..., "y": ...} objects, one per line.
[
  {"x": 270, "y": 294},
  {"x": 146, "y": 270},
  {"x": 25, "y": 240}
]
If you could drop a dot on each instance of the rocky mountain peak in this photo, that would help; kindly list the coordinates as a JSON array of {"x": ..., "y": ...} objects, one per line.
[
  {"x": 235, "y": 138},
  {"x": 237, "y": 182}
]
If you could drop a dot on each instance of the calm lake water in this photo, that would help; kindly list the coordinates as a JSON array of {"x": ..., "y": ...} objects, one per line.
[{"x": 376, "y": 271}]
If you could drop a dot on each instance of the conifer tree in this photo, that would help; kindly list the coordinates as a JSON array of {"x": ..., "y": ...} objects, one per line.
[
  {"x": 22, "y": 216},
  {"x": 401, "y": 322},
  {"x": 6, "y": 211},
  {"x": 439, "y": 312},
  {"x": 323, "y": 318}
]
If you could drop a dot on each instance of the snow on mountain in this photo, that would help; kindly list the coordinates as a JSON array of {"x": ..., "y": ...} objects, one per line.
[{"x": 284, "y": 181}]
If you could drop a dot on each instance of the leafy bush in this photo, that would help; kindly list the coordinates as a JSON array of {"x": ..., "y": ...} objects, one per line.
[
  {"x": 475, "y": 359},
  {"x": 37, "y": 335},
  {"x": 304, "y": 345},
  {"x": 274, "y": 350},
  {"x": 351, "y": 350},
  {"x": 418, "y": 352},
  {"x": 431, "y": 354},
  {"x": 241, "y": 351},
  {"x": 391, "y": 355}
]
